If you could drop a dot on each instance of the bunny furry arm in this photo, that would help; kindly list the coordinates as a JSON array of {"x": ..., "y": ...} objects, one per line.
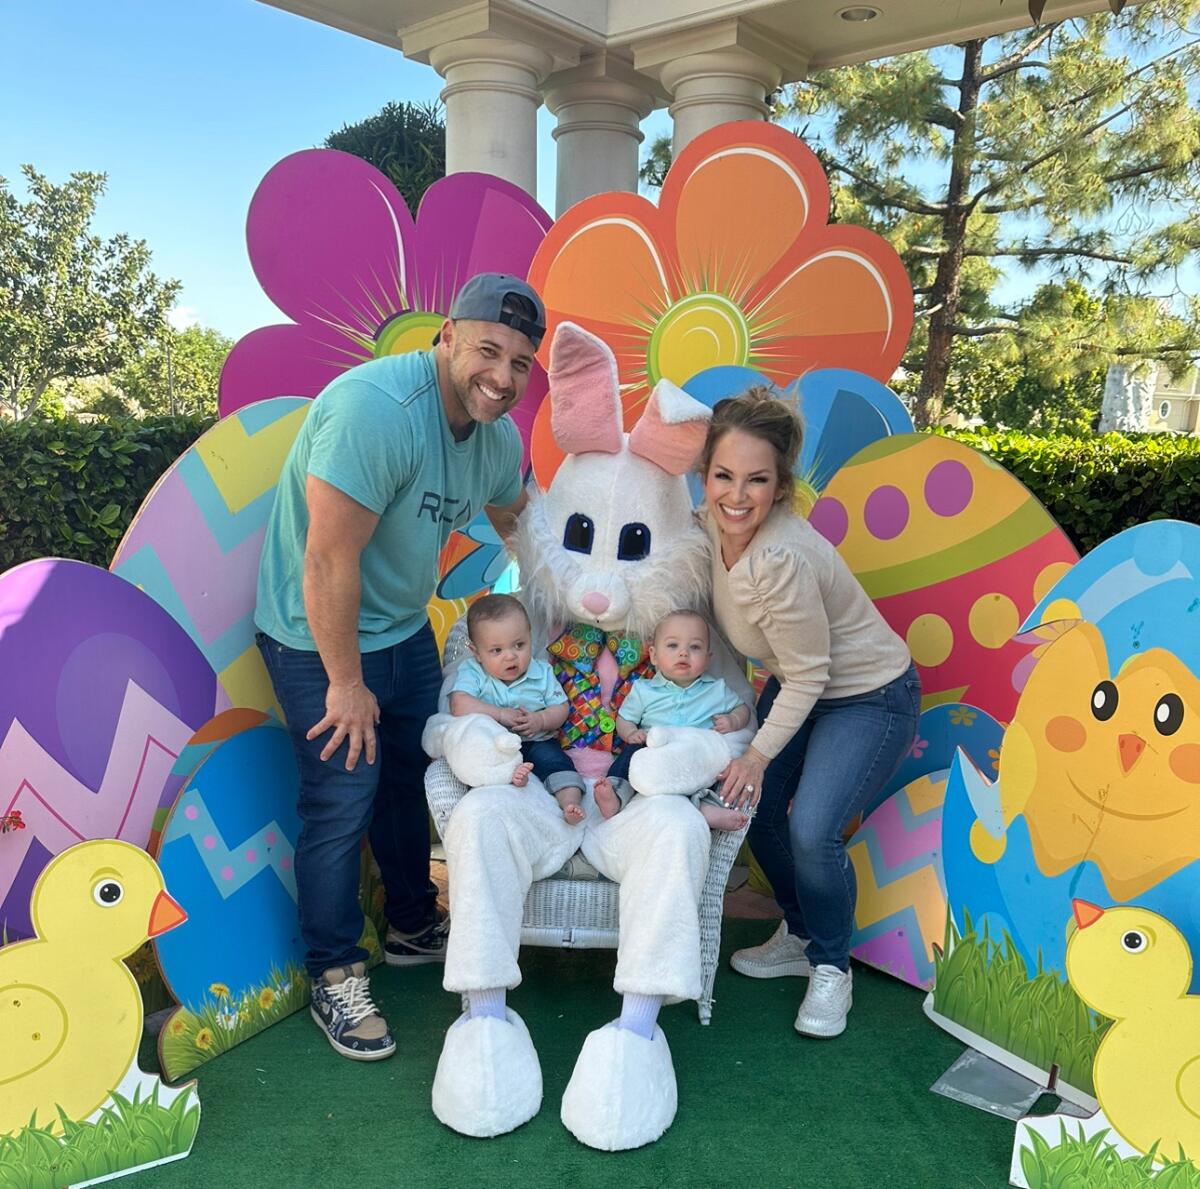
[
  {"x": 477, "y": 748},
  {"x": 679, "y": 761}
]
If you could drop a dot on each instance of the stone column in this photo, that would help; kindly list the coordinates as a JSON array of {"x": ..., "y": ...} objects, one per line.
[
  {"x": 716, "y": 87},
  {"x": 599, "y": 104},
  {"x": 492, "y": 94}
]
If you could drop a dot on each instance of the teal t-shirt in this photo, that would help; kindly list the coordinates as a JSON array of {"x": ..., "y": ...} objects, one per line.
[
  {"x": 379, "y": 433},
  {"x": 657, "y": 702},
  {"x": 536, "y": 689}
]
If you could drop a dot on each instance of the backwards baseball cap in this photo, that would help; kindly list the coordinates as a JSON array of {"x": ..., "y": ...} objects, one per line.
[{"x": 498, "y": 297}]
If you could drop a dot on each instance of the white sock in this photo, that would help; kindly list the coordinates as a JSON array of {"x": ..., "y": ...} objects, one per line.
[
  {"x": 639, "y": 1013},
  {"x": 487, "y": 1003}
]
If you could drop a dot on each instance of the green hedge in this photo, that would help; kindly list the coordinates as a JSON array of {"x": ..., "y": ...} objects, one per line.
[
  {"x": 1096, "y": 486},
  {"x": 70, "y": 488}
]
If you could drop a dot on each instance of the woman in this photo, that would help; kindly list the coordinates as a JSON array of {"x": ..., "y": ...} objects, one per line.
[{"x": 837, "y": 715}]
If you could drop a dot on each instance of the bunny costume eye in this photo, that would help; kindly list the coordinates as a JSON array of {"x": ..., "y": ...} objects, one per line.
[
  {"x": 634, "y": 543},
  {"x": 579, "y": 533}
]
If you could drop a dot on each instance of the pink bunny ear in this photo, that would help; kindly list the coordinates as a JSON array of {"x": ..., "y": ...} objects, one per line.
[
  {"x": 585, "y": 402},
  {"x": 672, "y": 429}
]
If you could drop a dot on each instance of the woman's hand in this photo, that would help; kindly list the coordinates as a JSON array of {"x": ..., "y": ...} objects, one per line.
[{"x": 742, "y": 780}]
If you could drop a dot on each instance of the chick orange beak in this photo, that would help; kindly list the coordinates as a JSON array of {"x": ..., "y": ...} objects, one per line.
[
  {"x": 1086, "y": 913},
  {"x": 1130, "y": 748},
  {"x": 165, "y": 914}
]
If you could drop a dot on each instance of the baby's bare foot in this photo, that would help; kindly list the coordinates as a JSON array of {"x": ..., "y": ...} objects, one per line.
[
  {"x": 520, "y": 777},
  {"x": 607, "y": 800},
  {"x": 573, "y": 812},
  {"x": 723, "y": 819}
]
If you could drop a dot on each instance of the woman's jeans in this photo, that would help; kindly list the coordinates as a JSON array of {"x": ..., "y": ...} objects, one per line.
[
  {"x": 829, "y": 771},
  {"x": 385, "y": 800}
]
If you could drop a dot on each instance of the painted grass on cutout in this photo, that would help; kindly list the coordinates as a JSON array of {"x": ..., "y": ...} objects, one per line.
[
  {"x": 983, "y": 985},
  {"x": 193, "y": 1036},
  {"x": 128, "y": 1134},
  {"x": 1091, "y": 1162}
]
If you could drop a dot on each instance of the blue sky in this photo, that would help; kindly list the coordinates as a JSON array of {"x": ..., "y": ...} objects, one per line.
[{"x": 185, "y": 106}]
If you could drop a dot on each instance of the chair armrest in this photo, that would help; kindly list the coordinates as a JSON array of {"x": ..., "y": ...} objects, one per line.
[
  {"x": 443, "y": 791},
  {"x": 721, "y": 852}
]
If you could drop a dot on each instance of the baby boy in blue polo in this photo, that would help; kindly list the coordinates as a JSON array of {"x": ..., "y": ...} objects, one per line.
[
  {"x": 502, "y": 680},
  {"x": 680, "y": 694}
]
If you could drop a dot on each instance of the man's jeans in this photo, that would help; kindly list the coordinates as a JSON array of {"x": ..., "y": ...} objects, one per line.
[
  {"x": 385, "y": 799},
  {"x": 830, "y": 769}
]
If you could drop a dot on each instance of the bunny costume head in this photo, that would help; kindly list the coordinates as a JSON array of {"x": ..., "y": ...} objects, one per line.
[{"x": 613, "y": 543}]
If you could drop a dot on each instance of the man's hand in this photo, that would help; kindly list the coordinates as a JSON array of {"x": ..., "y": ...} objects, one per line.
[{"x": 351, "y": 711}]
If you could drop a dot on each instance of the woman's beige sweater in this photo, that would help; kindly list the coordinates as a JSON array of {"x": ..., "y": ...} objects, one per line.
[{"x": 791, "y": 603}]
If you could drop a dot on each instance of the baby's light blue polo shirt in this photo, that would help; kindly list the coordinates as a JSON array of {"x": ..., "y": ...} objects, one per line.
[
  {"x": 657, "y": 702},
  {"x": 536, "y": 689}
]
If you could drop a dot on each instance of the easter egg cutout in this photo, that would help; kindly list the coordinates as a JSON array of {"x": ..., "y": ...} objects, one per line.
[
  {"x": 228, "y": 849},
  {"x": 195, "y": 543},
  {"x": 110, "y": 690},
  {"x": 955, "y": 553}
]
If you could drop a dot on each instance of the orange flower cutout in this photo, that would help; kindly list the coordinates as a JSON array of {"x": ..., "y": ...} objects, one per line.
[{"x": 737, "y": 265}]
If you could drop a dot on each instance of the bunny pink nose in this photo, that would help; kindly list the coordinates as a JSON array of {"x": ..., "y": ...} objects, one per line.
[{"x": 596, "y": 603}]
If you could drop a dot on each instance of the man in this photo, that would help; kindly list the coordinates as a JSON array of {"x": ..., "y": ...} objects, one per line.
[{"x": 393, "y": 456}]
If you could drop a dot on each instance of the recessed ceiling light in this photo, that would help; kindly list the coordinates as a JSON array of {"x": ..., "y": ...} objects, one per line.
[{"x": 860, "y": 12}]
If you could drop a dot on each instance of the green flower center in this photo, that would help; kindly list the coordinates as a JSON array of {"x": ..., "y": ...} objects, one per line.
[{"x": 410, "y": 331}]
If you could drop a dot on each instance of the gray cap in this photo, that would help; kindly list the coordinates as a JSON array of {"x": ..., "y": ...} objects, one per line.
[{"x": 498, "y": 297}]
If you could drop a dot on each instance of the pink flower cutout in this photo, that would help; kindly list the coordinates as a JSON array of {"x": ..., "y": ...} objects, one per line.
[{"x": 334, "y": 247}]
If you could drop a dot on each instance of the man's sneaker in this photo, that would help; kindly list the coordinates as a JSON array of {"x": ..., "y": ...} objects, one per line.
[
  {"x": 823, "y": 1012},
  {"x": 341, "y": 1005},
  {"x": 415, "y": 949},
  {"x": 778, "y": 957}
]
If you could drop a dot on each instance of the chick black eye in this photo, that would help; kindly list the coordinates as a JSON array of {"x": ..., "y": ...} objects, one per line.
[
  {"x": 1168, "y": 714},
  {"x": 1104, "y": 701},
  {"x": 1134, "y": 942},
  {"x": 634, "y": 542},
  {"x": 107, "y": 893},
  {"x": 579, "y": 534}
]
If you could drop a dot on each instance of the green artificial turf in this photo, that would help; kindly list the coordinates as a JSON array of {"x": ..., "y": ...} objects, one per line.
[{"x": 758, "y": 1105}]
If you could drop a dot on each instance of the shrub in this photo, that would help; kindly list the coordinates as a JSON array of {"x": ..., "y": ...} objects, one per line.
[
  {"x": 1097, "y": 486},
  {"x": 70, "y": 488}
]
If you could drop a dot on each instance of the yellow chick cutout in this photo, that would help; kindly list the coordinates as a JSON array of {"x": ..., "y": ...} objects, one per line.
[
  {"x": 1135, "y": 967},
  {"x": 70, "y": 1010}
]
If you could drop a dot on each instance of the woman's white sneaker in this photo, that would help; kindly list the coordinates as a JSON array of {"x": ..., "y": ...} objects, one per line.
[
  {"x": 782, "y": 955},
  {"x": 826, "y": 1004}
]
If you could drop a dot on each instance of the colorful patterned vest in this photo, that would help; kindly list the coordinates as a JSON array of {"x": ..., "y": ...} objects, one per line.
[{"x": 590, "y": 723}]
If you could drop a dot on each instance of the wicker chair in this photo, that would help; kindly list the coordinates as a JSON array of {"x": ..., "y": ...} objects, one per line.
[{"x": 577, "y": 907}]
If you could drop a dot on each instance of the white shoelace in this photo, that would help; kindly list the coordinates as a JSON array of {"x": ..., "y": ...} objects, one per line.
[
  {"x": 825, "y": 982},
  {"x": 353, "y": 998}
]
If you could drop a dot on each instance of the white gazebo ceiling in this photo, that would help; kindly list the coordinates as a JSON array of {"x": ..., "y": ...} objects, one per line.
[{"x": 807, "y": 33}]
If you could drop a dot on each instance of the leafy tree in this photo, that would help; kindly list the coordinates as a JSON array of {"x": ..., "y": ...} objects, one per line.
[
  {"x": 653, "y": 170},
  {"x": 71, "y": 304},
  {"x": 1075, "y": 144},
  {"x": 177, "y": 373},
  {"x": 406, "y": 141}
]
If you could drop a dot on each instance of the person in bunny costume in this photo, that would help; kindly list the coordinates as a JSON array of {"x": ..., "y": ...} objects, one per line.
[{"x": 604, "y": 554}]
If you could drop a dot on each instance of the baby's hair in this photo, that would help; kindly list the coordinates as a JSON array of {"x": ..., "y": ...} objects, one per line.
[
  {"x": 492, "y": 607},
  {"x": 691, "y": 612},
  {"x": 766, "y": 414}
]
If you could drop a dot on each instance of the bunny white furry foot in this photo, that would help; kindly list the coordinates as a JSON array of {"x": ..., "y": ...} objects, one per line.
[
  {"x": 488, "y": 1079},
  {"x": 677, "y": 761},
  {"x": 622, "y": 1094},
  {"x": 478, "y": 749}
]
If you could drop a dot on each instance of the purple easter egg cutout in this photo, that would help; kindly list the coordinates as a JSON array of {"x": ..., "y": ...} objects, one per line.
[{"x": 102, "y": 690}]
